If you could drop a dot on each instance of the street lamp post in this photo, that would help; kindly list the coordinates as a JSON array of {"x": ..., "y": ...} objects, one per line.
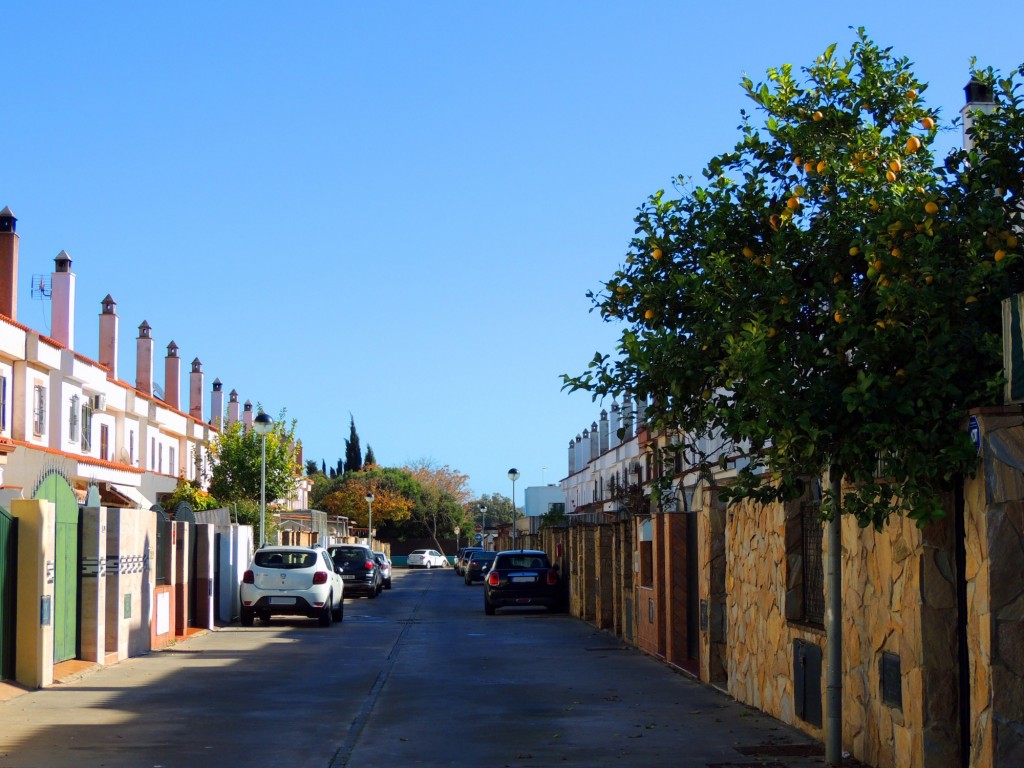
[
  {"x": 513, "y": 475},
  {"x": 369, "y": 521},
  {"x": 263, "y": 425},
  {"x": 483, "y": 517}
]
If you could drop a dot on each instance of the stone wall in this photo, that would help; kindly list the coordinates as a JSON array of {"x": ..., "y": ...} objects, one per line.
[
  {"x": 994, "y": 527},
  {"x": 891, "y": 580}
]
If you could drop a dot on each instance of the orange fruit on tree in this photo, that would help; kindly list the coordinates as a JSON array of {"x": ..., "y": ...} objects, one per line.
[
  {"x": 748, "y": 251},
  {"x": 793, "y": 203},
  {"x": 971, "y": 299},
  {"x": 649, "y": 314},
  {"x": 912, "y": 94},
  {"x": 895, "y": 165},
  {"x": 809, "y": 167},
  {"x": 931, "y": 208},
  {"x": 854, "y": 250},
  {"x": 822, "y": 166},
  {"x": 771, "y": 333},
  {"x": 890, "y": 176},
  {"x": 656, "y": 254},
  {"x": 817, "y": 116},
  {"x": 913, "y": 144},
  {"x": 929, "y": 279},
  {"x": 838, "y": 316},
  {"x": 1000, "y": 255},
  {"x": 927, "y": 123}
]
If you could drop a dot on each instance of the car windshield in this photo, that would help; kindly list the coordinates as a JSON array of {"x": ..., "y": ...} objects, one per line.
[
  {"x": 522, "y": 560},
  {"x": 285, "y": 559},
  {"x": 478, "y": 556},
  {"x": 349, "y": 555}
]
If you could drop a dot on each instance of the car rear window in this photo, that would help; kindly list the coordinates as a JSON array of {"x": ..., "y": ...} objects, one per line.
[
  {"x": 521, "y": 561},
  {"x": 349, "y": 555},
  {"x": 285, "y": 559}
]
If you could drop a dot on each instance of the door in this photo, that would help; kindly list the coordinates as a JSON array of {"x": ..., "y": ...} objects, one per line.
[
  {"x": 55, "y": 488},
  {"x": 8, "y": 569}
]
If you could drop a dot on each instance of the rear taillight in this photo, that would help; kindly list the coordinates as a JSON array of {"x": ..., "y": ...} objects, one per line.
[
  {"x": 369, "y": 565},
  {"x": 492, "y": 579},
  {"x": 320, "y": 577},
  {"x": 552, "y": 578},
  {"x": 248, "y": 578}
]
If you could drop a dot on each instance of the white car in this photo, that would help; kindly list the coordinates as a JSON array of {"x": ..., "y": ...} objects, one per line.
[
  {"x": 426, "y": 558},
  {"x": 292, "y": 581}
]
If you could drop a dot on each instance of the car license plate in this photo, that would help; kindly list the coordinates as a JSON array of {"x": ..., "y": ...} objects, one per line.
[
  {"x": 524, "y": 579},
  {"x": 282, "y": 601},
  {"x": 348, "y": 578}
]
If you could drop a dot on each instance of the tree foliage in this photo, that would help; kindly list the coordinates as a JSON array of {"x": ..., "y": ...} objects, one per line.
[
  {"x": 237, "y": 456},
  {"x": 829, "y": 296},
  {"x": 498, "y": 509},
  {"x": 353, "y": 455}
]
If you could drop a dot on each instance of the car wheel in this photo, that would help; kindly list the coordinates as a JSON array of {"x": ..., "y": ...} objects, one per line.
[
  {"x": 427, "y": 566},
  {"x": 372, "y": 593},
  {"x": 387, "y": 584},
  {"x": 324, "y": 616},
  {"x": 488, "y": 608},
  {"x": 338, "y": 614},
  {"x": 248, "y": 616},
  {"x": 468, "y": 581}
]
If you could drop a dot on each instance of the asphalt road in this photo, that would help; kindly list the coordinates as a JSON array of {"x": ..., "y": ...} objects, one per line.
[{"x": 418, "y": 676}]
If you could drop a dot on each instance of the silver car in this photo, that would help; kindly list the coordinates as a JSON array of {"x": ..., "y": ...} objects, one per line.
[
  {"x": 385, "y": 568},
  {"x": 292, "y": 581}
]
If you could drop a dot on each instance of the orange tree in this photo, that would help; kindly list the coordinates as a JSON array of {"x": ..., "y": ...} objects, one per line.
[{"x": 829, "y": 296}]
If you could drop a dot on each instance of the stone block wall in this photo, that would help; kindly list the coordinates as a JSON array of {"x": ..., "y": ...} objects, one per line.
[{"x": 994, "y": 528}]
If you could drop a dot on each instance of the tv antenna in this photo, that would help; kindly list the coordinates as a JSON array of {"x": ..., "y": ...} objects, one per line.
[{"x": 42, "y": 289}]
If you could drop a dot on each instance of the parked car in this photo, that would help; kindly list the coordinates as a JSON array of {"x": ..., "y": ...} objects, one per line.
[
  {"x": 359, "y": 569},
  {"x": 462, "y": 557},
  {"x": 385, "y": 568},
  {"x": 523, "y": 577},
  {"x": 292, "y": 581},
  {"x": 426, "y": 558},
  {"x": 477, "y": 566}
]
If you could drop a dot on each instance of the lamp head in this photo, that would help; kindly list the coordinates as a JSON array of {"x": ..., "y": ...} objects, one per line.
[
  {"x": 262, "y": 424},
  {"x": 369, "y": 497},
  {"x": 513, "y": 474}
]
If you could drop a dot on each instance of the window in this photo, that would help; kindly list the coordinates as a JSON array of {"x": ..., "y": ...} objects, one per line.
[
  {"x": 87, "y": 426},
  {"x": 172, "y": 455},
  {"x": 73, "y": 419},
  {"x": 160, "y": 459},
  {"x": 39, "y": 410},
  {"x": 152, "y": 453},
  {"x": 3, "y": 403},
  {"x": 131, "y": 446},
  {"x": 104, "y": 442}
]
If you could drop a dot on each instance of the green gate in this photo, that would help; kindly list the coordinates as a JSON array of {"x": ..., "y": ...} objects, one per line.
[
  {"x": 8, "y": 570},
  {"x": 67, "y": 574}
]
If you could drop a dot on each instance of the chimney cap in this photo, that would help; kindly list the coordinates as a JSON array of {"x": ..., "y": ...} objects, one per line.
[
  {"x": 978, "y": 92},
  {"x": 144, "y": 330},
  {"x": 247, "y": 405},
  {"x": 197, "y": 367},
  {"x": 8, "y": 223},
  {"x": 172, "y": 350},
  {"x": 108, "y": 305},
  {"x": 62, "y": 262},
  {"x": 217, "y": 386}
]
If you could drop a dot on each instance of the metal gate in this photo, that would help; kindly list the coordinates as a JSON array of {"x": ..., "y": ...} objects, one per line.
[
  {"x": 67, "y": 573},
  {"x": 8, "y": 571}
]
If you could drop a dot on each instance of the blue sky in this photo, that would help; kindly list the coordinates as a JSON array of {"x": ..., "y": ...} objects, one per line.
[{"x": 395, "y": 209}]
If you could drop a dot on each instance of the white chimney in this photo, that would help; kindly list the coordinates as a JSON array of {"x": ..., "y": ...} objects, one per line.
[
  {"x": 8, "y": 264},
  {"x": 172, "y": 377},
  {"x": 233, "y": 415},
  {"x": 62, "y": 301},
  {"x": 217, "y": 404},
  {"x": 602, "y": 435},
  {"x": 594, "y": 442},
  {"x": 613, "y": 429},
  {"x": 108, "y": 336},
  {"x": 627, "y": 419},
  {"x": 144, "y": 360},
  {"x": 247, "y": 415},
  {"x": 195, "y": 395},
  {"x": 979, "y": 99},
  {"x": 572, "y": 457}
]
